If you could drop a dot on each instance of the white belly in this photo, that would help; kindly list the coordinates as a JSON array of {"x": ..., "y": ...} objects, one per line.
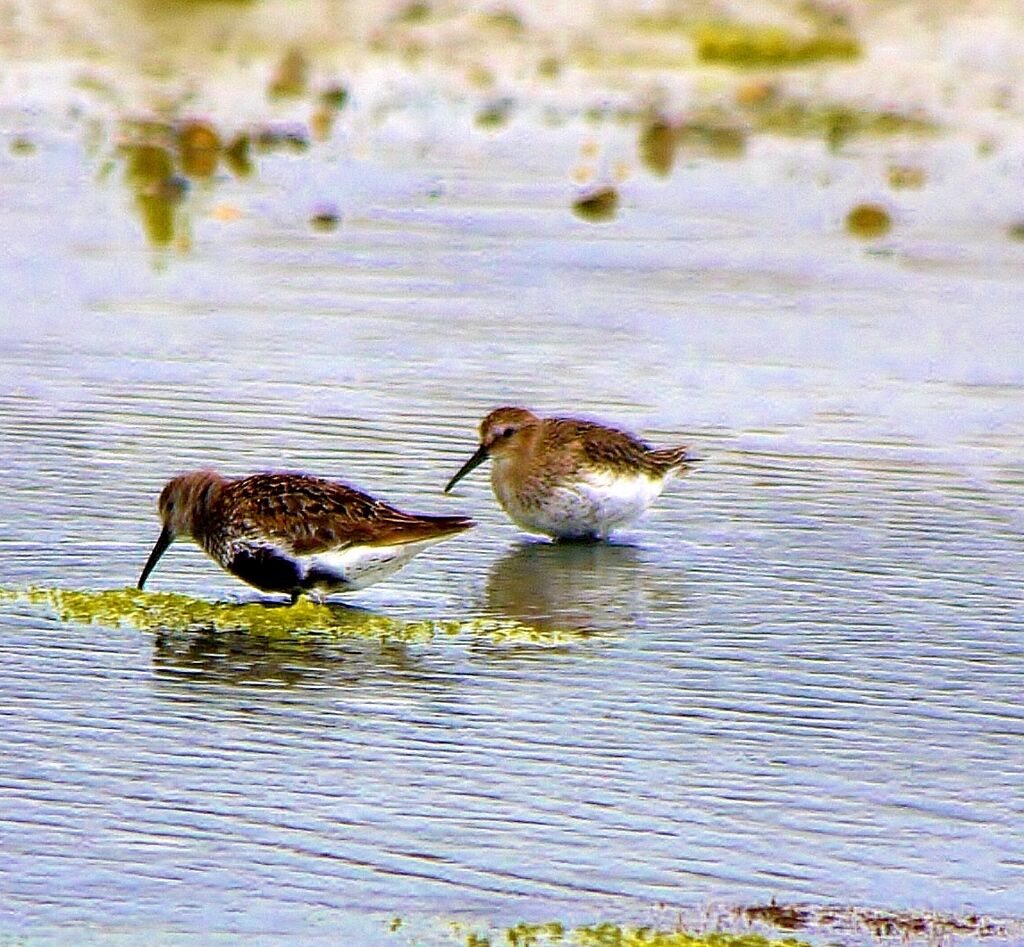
[
  {"x": 593, "y": 505},
  {"x": 360, "y": 566}
]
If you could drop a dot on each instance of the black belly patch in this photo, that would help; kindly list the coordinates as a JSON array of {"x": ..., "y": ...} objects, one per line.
[
  {"x": 323, "y": 578},
  {"x": 267, "y": 569}
]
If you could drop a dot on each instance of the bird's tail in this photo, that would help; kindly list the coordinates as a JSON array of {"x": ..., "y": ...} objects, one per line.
[
  {"x": 449, "y": 525},
  {"x": 675, "y": 459},
  {"x": 419, "y": 528}
]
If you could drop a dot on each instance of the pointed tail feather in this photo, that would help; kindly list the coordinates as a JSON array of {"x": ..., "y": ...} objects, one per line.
[
  {"x": 424, "y": 527},
  {"x": 449, "y": 525},
  {"x": 674, "y": 458}
]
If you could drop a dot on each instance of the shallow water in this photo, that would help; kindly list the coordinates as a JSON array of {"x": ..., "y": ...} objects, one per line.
[{"x": 798, "y": 678}]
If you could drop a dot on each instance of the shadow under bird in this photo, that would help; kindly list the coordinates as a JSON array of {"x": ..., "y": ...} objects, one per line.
[
  {"x": 568, "y": 478},
  {"x": 294, "y": 533}
]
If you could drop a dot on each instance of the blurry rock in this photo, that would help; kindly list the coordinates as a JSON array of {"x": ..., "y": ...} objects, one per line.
[
  {"x": 597, "y": 205},
  {"x": 494, "y": 115},
  {"x": 172, "y": 190},
  {"x": 321, "y": 123},
  {"x": 1016, "y": 231},
  {"x": 334, "y": 96},
  {"x": 550, "y": 67},
  {"x": 711, "y": 139},
  {"x": 291, "y": 75},
  {"x": 157, "y": 204},
  {"x": 20, "y": 145},
  {"x": 198, "y": 149},
  {"x": 325, "y": 218},
  {"x": 840, "y": 126},
  {"x": 238, "y": 155},
  {"x": 868, "y": 221},
  {"x": 147, "y": 164},
  {"x": 658, "y": 142},
  {"x": 278, "y": 137}
]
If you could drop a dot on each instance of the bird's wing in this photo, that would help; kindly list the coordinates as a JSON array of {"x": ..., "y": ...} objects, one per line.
[
  {"x": 604, "y": 447},
  {"x": 308, "y": 515}
]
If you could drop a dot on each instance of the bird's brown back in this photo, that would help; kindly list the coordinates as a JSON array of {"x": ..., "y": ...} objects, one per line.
[
  {"x": 309, "y": 515},
  {"x": 576, "y": 442}
]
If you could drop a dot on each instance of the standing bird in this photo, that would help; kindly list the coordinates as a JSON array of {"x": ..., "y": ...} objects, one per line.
[
  {"x": 292, "y": 533},
  {"x": 568, "y": 478}
]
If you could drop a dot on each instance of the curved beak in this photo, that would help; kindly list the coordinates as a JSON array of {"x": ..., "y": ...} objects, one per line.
[
  {"x": 475, "y": 461},
  {"x": 166, "y": 538}
]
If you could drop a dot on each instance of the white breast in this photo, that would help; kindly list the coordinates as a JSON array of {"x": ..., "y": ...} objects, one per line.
[
  {"x": 618, "y": 499},
  {"x": 593, "y": 504}
]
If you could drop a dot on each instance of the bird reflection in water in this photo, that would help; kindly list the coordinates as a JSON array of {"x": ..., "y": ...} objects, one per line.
[
  {"x": 242, "y": 656},
  {"x": 587, "y": 588}
]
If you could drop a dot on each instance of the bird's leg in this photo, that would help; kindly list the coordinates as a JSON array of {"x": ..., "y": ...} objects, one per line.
[{"x": 296, "y": 595}]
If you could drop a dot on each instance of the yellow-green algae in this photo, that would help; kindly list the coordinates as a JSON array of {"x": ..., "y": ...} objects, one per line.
[
  {"x": 613, "y": 935},
  {"x": 837, "y": 123},
  {"x": 744, "y": 44},
  {"x": 155, "y": 611}
]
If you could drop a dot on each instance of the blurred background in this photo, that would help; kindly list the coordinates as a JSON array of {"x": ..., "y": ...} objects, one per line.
[{"x": 330, "y": 236}]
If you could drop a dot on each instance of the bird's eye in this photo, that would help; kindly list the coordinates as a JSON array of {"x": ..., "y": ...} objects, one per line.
[{"x": 508, "y": 432}]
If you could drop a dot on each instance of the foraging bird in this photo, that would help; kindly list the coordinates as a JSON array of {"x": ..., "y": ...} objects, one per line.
[
  {"x": 568, "y": 478},
  {"x": 294, "y": 533}
]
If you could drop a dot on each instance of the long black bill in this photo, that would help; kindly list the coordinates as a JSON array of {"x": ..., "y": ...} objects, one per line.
[
  {"x": 475, "y": 461},
  {"x": 166, "y": 538}
]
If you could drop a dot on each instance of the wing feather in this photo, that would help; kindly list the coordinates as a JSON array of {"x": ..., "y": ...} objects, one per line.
[{"x": 308, "y": 515}]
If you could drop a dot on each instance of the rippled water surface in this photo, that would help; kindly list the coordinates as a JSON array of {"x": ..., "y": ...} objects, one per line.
[{"x": 799, "y": 677}]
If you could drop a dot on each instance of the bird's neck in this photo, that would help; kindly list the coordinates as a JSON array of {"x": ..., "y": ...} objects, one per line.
[{"x": 204, "y": 492}]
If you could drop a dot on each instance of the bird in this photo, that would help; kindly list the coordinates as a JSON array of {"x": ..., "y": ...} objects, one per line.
[
  {"x": 292, "y": 532},
  {"x": 569, "y": 478}
]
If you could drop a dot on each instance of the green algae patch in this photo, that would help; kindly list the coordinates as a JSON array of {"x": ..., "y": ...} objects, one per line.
[
  {"x": 238, "y": 155},
  {"x": 750, "y": 45},
  {"x": 704, "y": 135},
  {"x": 610, "y": 935},
  {"x": 836, "y": 123},
  {"x": 20, "y": 145},
  {"x": 495, "y": 115},
  {"x": 163, "y": 611},
  {"x": 613, "y": 935},
  {"x": 906, "y": 177},
  {"x": 416, "y": 12},
  {"x": 712, "y": 139}
]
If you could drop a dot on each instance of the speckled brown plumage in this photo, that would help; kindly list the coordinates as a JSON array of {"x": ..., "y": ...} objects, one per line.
[
  {"x": 568, "y": 477},
  {"x": 306, "y": 515},
  {"x": 294, "y": 533},
  {"x": 573, "y": 442}
]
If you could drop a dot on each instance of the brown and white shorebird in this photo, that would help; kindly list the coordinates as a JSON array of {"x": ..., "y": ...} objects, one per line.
[
  {"x": 568, "y": 478},
  {"x": 292, "y": 533}
]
